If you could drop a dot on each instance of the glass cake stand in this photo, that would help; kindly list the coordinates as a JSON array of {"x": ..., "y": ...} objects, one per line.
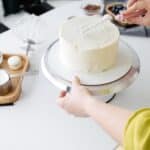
[{"x": 113, "y": 81}]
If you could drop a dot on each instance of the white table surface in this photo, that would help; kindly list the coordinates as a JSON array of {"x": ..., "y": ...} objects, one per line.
[{"x": 36, "y": 122}]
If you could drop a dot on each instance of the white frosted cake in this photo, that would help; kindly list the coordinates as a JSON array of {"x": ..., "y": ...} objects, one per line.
[{"x": 88, "y": 44}]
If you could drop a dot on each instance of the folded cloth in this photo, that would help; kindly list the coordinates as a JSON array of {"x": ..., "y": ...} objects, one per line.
[{"x": 135, "y": 31}]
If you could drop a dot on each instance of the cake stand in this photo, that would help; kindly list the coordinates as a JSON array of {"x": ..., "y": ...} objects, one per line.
[{"x": 104, "y": 85}]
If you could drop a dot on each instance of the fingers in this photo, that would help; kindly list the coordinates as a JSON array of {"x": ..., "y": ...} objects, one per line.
[
  {"x": 62, "y": 94},
  {"x": 135, "y": 7},
  {"x": 141, "y": 20},
  {"x": 136, "y": 20},
  {"x": 62, "y": 101},
  {"x": 130, "y": 3},
  {"x": 62, "y": 98},
  {"x": 135, "y": 14},
  {"x": 76, "y": 81}
]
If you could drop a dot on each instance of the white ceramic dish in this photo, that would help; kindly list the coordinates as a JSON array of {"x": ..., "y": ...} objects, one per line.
[
  {"x": 123, "y": 65},
  {"x": 5, "y": 82}
]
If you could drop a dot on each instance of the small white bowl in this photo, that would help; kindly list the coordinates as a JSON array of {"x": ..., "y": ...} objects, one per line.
[{"x": 5, "y": 82}]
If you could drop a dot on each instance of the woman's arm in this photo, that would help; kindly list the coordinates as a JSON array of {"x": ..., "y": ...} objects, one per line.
[
  {"x": 80, "y": 102},
  {"x": 112, "y": 118}
]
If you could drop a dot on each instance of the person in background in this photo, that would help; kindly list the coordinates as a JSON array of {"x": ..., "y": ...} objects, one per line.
[{"x": 130, "y": 129}]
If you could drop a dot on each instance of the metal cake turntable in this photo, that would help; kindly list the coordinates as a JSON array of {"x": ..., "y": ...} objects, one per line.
[{"x": 106, "y": 84}]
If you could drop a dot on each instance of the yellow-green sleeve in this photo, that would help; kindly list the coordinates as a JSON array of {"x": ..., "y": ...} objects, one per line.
[{"x": 137, "y": 131}]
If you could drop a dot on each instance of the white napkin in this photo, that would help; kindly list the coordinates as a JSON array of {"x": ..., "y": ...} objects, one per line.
[{"x": 9, "y": 43}]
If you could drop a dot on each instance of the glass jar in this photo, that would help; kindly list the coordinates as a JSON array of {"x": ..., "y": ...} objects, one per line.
[{"x": 91, "y": 7}]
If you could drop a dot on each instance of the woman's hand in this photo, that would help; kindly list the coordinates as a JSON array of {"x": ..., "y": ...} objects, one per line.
[
  {"x": 130, "y": 3},
  {"x": 138, "y": 12},
  {"x": 77, "y": 100},
  {"x": 80, "y": 102}
]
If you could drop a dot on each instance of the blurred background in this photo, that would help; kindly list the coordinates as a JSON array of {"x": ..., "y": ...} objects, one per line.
[{"x": 12, "y": 11}]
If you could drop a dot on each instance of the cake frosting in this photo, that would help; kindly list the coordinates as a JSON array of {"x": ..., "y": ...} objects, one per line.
[{"x": 88, "y": 44}]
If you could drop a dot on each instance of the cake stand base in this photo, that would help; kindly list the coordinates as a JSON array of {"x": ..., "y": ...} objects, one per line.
[{"x": 106, "y": 98}]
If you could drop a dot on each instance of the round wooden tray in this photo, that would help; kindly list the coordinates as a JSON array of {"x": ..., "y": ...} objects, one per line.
[{"x": 15, "y": 91}]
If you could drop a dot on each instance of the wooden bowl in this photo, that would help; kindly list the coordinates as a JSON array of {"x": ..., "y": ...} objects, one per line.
[{"x": 108, "y": 10}]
